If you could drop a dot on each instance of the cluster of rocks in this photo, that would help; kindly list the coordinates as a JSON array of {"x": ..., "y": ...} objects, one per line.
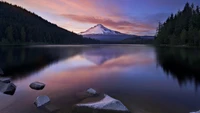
[
  {"x": 91, "y": 100},
  {"x": 6, "y": 86},
  {"x": 43, "y": 100},
  {"x": 40, "y": 100}
]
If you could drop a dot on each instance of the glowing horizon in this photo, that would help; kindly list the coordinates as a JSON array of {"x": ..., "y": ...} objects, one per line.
[{"x": 126, "y": 16}]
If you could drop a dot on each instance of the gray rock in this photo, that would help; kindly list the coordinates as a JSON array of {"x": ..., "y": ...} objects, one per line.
[
  {"x": 5, "y": 80},
  {"x": 91, "y": 91},
  {"x": 41, "y": 100},
  {"x": 37, "y": 85},
  {"x": 7, "y": 88}
]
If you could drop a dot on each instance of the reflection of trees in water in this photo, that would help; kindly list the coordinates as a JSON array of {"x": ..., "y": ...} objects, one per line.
[
  {"x": 183, "y": 64},
  {"x": 19, "y": 61}
]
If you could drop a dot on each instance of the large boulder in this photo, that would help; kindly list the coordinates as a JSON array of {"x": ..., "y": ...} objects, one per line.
[
  {"x": 41, "y": 100},
  {"x": 7, "y": 88},
  {"x": 37, "y": 85},
  {"x": 5, "y": 80},
  {"x": 196, "y": 112},
  {"x": 106, "y": 105}
]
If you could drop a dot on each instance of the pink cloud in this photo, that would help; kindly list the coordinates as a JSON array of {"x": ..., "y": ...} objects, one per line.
[{"x": 122, "y": 25}]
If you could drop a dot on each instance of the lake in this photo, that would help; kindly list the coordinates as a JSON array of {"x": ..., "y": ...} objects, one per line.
[{"x": 144, "y": 78}]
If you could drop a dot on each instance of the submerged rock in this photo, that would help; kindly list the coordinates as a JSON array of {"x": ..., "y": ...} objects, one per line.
[
  {"x": 41, "y": 100},
  {"x": 51, "y": 108},
  {"x": 87, "y": 93},
  {"x": 37, "y": 85},
  {"x": 196, "y": 112},
  {"x": 5, "y": 80},
  {"x": 7, "y": 88},
  {"x": 105, "y": 105},
  {"x": 91, "y": 91}
]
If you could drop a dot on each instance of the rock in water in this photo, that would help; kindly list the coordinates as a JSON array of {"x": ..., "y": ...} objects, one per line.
[
  {"x": 91, "y": 91},
  {"x": 51, "y": 108},
  {"x": 41, "y": 100},
  {"x": 37, "y": 85},
  {"x": 196, "y": 112},
  {"x": 106, "y": 105},
  {"x": 7, "y": 88},
  {"x": 5, "y": 80}
]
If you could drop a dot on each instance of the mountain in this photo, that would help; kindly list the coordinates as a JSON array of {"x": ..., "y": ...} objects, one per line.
[
  {"x": 100, "y": 32},
  {"x": 100, "y": 29},
  {"x": 19, "y": 26}
]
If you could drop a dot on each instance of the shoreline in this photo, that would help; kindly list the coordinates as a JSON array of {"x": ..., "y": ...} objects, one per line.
[{"x": 178, "y": 46}]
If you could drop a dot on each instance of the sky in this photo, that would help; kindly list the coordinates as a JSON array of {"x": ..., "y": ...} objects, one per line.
[{"x": 139, "y": 17}]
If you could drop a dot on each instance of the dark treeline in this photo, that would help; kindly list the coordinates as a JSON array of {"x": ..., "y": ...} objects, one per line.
[
  {"x": 183, "y": 28},
  {"x": 137, "y": 40},
  {"x": 19, "y": 26}
]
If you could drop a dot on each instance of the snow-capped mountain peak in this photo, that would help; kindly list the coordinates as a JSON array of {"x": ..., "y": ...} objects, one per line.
[{"x": 100, "y": 29}]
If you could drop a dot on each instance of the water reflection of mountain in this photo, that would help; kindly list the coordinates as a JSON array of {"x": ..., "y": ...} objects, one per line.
[
  {"x": 182, "y": 64},
  {"x": 100, "y": 54},
  {"x": 22, "y": 60}
]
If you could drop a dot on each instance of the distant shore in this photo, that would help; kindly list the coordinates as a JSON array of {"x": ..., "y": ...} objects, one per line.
[{"x": 182, "y": 46}]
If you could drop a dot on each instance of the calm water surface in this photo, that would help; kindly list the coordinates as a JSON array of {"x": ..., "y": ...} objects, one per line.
[{"x": 146, "y": 79}]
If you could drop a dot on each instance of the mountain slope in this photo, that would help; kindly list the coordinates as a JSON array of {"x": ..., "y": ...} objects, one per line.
[
  {"x": 21, "y": 26},
  {"x": 100, "y": 29}
]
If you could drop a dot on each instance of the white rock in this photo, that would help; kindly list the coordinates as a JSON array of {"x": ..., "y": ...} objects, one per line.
[
  {"x": 196, "y": 112},
  {"x": 37, "y": 85},
  {"x": 5, "y": 80},
  {"x": 91, "y": 91},
  {"x": 41, "y": 100},
  {"x": 107, "y": 103}
]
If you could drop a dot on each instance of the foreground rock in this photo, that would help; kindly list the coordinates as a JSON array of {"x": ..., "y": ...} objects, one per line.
[
  {"x": 196, "y": 112},
  {"x": 37, "y": 85},
  {"x": 105, "y": 105},
  {"x": 41, "y": 100},
  {"x": 5, "y": 80},
  {"x": 7, "y": 88}
]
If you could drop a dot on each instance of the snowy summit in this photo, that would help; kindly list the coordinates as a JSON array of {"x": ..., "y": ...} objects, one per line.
[{"x": 100, "y": 29}]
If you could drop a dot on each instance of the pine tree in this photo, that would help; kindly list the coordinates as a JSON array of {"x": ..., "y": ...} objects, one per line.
[
  {"x": 9, "y": 34},
  {"x": 181, "y": 28},
  {"x": 23, "y": 35},
  {"x": 183, "y": 36}
]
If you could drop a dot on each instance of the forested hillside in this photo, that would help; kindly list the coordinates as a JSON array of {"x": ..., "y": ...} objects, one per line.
[
  {"x": 18, "y": 26},
  {"x": 182, "y": 28}
]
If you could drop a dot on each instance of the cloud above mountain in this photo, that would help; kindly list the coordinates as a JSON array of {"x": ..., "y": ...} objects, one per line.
[{"x": 128, "y": 16}]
